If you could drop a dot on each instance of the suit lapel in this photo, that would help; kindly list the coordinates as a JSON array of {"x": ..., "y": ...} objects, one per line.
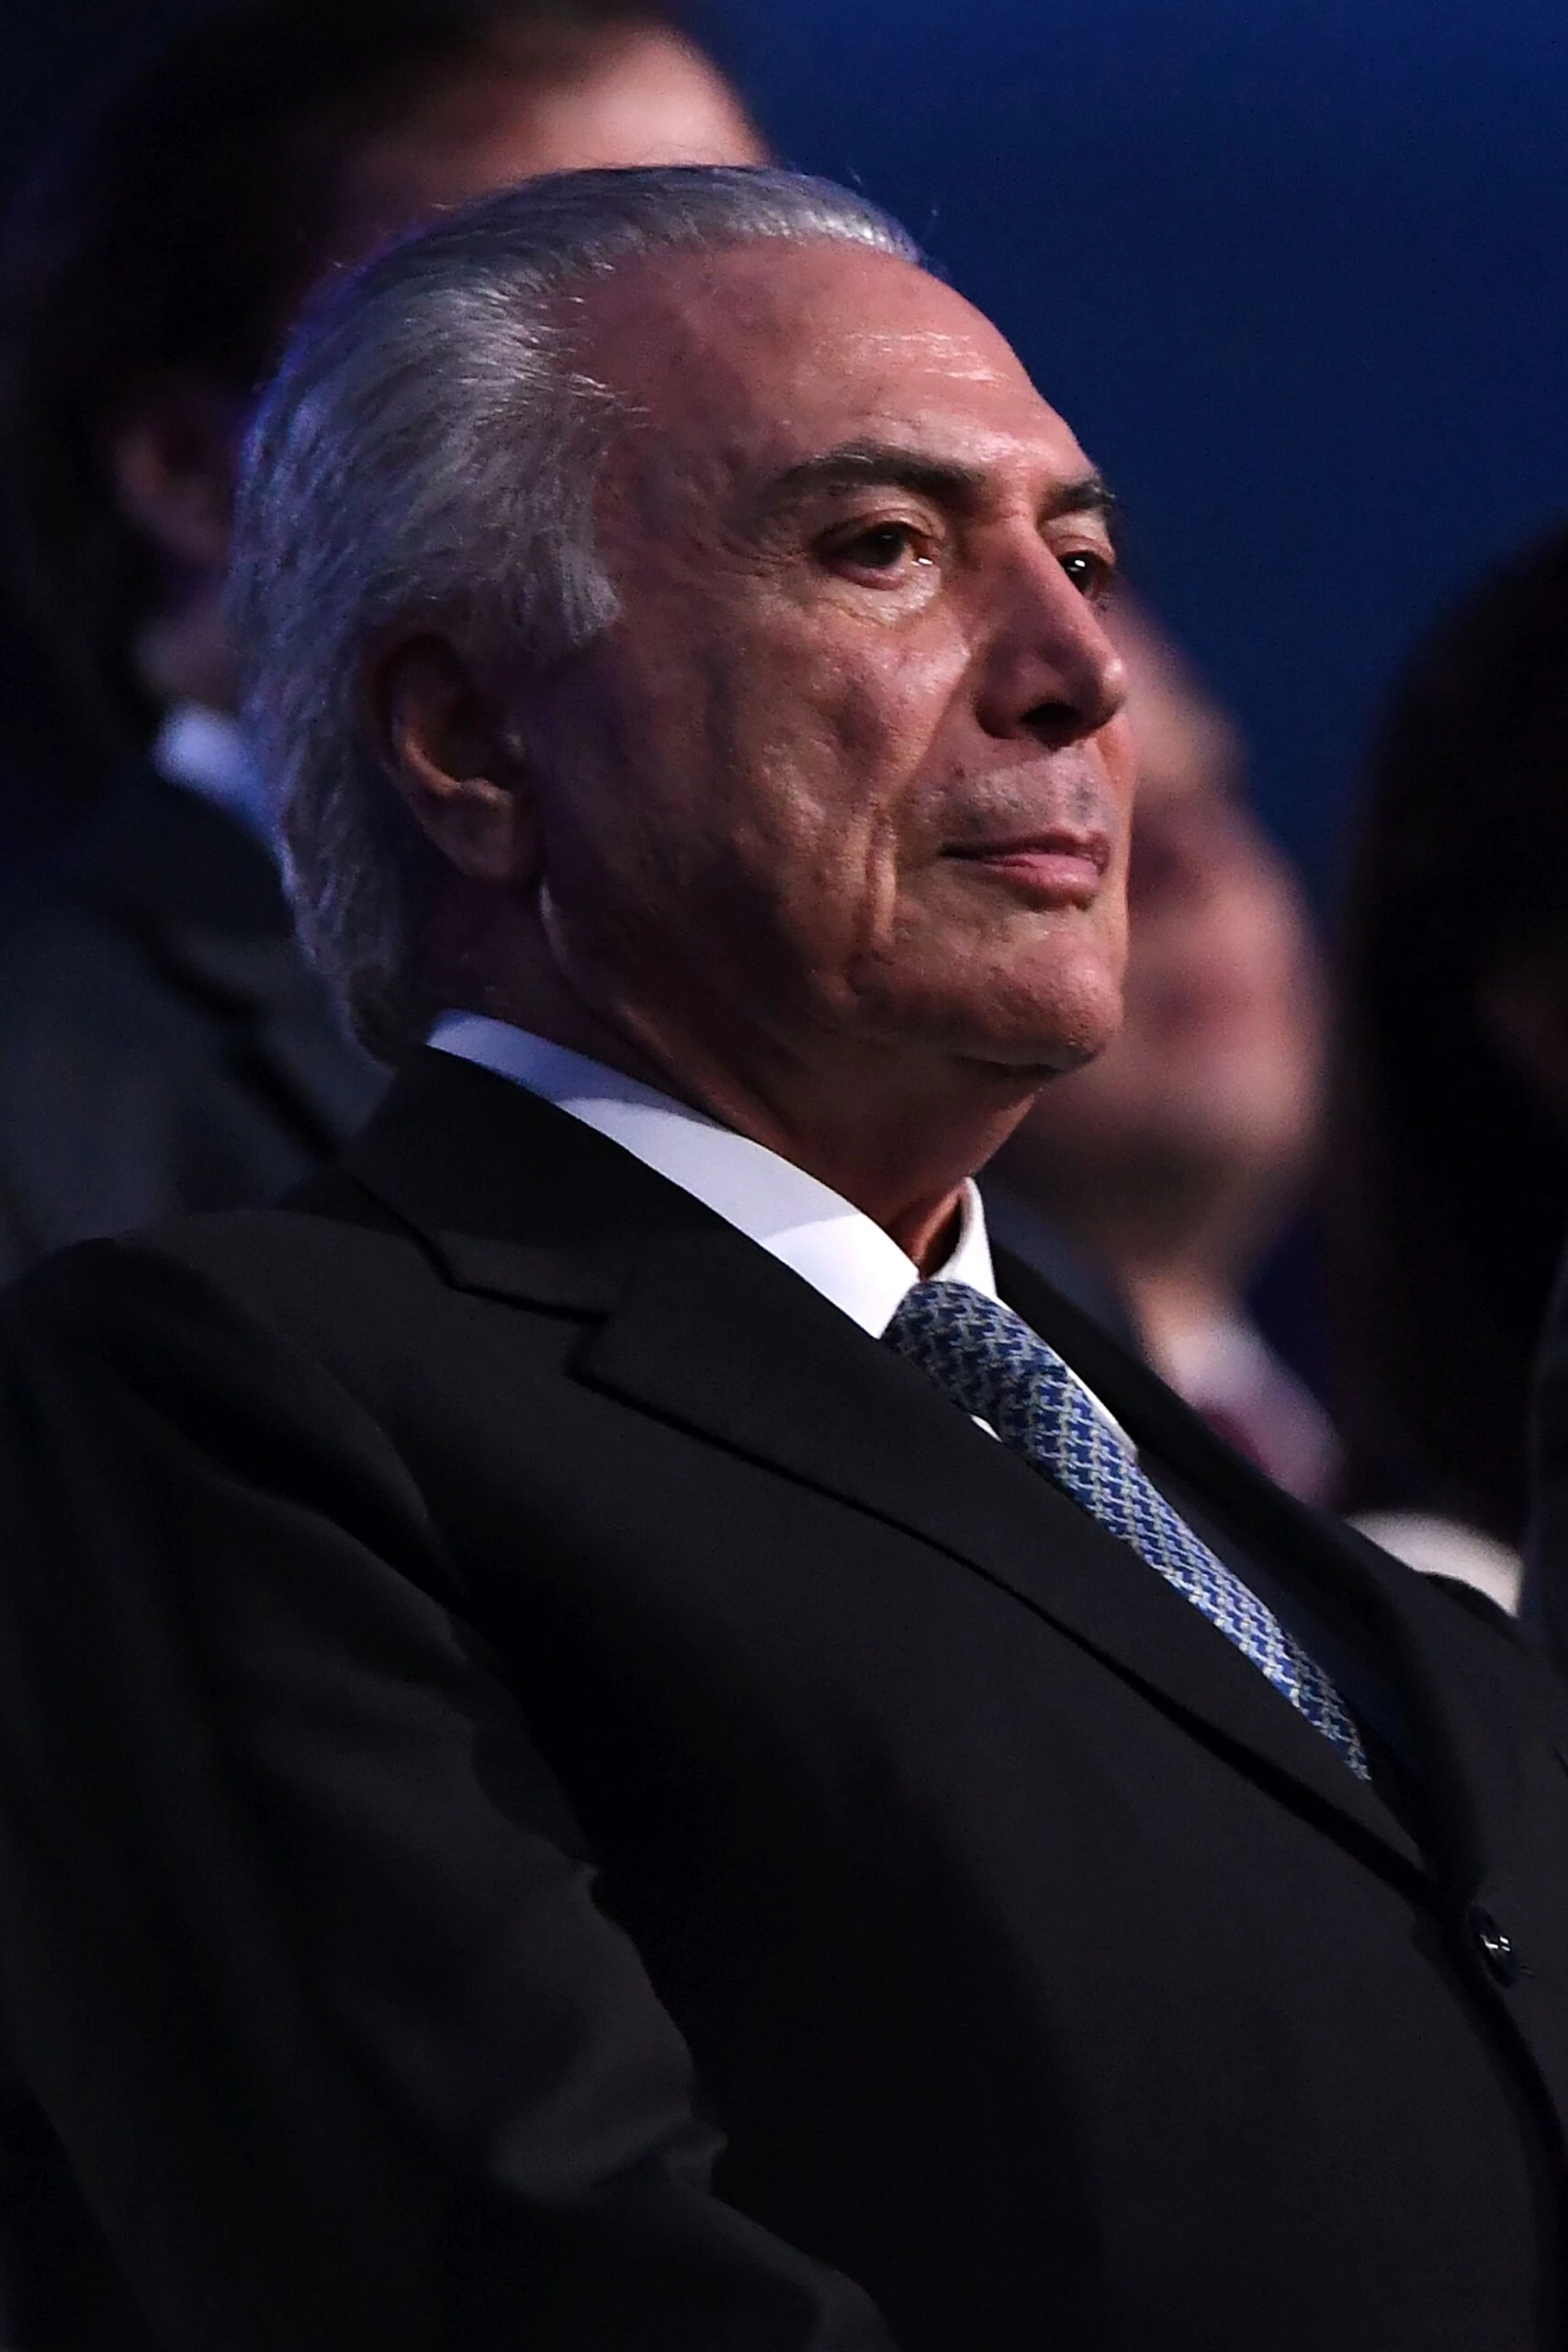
[
  {"x": 712, "y": 1333},
  {"x": 689, "y": 1321}
]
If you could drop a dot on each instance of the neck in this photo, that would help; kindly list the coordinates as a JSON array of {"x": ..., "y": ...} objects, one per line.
[
  {"x": 901, "y": 1153},
  {"x": 897, "y": 1137}
]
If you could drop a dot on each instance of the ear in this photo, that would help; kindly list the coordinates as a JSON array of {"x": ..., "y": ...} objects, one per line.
[
  {"x": 452, "y": 756},
  {"x": 172, "y": 449}
]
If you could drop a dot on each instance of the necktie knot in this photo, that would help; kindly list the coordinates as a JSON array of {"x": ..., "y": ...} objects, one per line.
[
  {"x": 990, "y": 1362},
  {"x": 988, "y": 1359}
]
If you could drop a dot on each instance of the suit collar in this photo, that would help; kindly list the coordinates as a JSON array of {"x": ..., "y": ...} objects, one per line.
[
  {"x": 796, "y": 1219},
  {"x": 691, "y": 1322},
  {"x": 514, "y": 1199}
]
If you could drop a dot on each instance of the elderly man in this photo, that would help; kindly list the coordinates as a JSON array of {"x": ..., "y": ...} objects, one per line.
[{"x": 601, "y": 1749}]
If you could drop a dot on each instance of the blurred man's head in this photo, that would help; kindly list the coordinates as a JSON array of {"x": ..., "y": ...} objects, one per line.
[
  {"x": 1203, "y": 1110},
  {"x": 154, "y": 269},
  {"x": 670, "y": 610}
]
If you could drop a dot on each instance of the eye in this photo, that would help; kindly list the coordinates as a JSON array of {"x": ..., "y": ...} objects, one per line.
[
  {"x": 881, "y": 546},
  {"x": 885, "y": 548},
  {"x": 1092, "y": 574}
]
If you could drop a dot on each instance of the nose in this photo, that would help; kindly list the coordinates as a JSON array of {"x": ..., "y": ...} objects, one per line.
[{"x": 1047, "y": 669}]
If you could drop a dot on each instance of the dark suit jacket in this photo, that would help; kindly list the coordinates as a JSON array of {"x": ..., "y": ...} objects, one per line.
[
  {"x": 163, "y": 1043},
  {"x": 555, "y": 1793}
]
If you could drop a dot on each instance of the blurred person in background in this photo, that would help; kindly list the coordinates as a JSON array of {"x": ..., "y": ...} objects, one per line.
[
  {"x": 1176, "y": 1158},
  {"x": 1449, "y": 1172},
  {"x": 164, "y": 1044}
]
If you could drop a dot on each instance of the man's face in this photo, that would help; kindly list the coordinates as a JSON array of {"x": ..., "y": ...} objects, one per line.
[{"x": 847, "y": 769}]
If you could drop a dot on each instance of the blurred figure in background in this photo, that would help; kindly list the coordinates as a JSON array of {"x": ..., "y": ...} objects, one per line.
[
  {"x": 164, "y": 1044},
  {"x": 1449, "y": 1173},
  {"x": 1544, "y": 1598},
  {"x": 1176, "y": 1158}
]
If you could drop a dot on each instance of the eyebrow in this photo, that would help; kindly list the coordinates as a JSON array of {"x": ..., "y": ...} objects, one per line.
[{"x": 855, "y": 463}]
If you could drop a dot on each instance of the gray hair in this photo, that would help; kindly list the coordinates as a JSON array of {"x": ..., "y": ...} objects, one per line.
[{"x": 428, "y": 447}]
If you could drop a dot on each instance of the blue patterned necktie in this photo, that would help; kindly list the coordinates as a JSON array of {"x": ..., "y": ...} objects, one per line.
[{"x": 988, "y": 1360}]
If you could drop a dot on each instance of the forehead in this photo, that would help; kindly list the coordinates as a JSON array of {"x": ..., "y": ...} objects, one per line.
[{"x": 752, "y": 358}]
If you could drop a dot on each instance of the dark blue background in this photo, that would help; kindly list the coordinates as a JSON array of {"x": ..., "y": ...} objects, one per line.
[{"x": 1295, "y": 270}]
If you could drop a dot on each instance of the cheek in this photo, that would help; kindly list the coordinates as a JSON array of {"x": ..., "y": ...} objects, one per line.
[
  {"x": 856, "y": 709},
  {"x": 748, "y": 787},
  {"x": 828, "y": 752},
  {"x": 889, "y": 734}
]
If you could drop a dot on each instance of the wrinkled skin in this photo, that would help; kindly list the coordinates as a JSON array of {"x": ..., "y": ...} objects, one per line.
[{"x": 828, "y": 832}]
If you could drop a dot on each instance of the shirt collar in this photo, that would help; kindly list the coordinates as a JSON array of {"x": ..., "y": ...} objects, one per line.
[
  {"x": 819, "y": 1235},
  {"x": 206, "y": 751}
]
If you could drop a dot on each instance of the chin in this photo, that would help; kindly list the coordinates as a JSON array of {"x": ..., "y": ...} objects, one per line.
[
  {"x": 1024, "y": 1005},
  {"x": 1040, "y": 1032},
  {"x": 1073, "y": 1013}
]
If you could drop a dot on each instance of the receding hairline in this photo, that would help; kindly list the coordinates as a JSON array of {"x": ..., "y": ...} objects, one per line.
[
  {"x": 726, "y": 245},
  {"x": 902, "y": 455},
  {"x": 602, "y": 313}
]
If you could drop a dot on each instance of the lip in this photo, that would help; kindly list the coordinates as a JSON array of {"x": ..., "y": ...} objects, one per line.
[{"x": 1057, "y": 867}]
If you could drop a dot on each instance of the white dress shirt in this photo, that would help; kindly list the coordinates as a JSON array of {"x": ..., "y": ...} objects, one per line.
[
  {"x": 206, "y": 751},
  {"x": 819, "y": 1235}
]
